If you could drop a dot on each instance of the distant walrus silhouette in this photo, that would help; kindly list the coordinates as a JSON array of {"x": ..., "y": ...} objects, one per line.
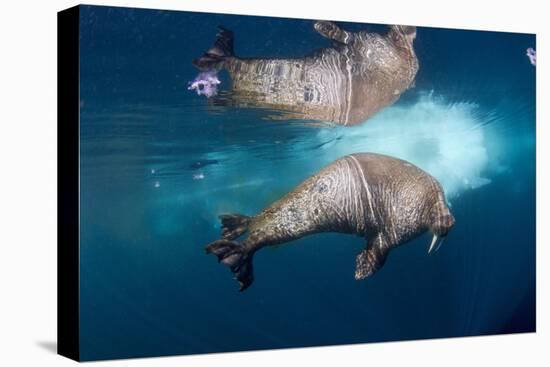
[
  {"x": 345, "y": 84},
  {"x": 385, "y": 200}
]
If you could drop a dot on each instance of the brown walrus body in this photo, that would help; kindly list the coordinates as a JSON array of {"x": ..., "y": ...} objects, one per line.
[
  {"x": 385, "y": 200},
  {"x": 344, "y": 84}
]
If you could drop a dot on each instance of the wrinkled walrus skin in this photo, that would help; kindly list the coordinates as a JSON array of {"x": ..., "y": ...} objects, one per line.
[
  {"x": 344, "y": 84},
  {"x": 385, "y": 200}
]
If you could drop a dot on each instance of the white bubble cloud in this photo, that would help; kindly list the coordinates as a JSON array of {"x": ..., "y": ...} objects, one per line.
[{"x": 445, "y": 139}]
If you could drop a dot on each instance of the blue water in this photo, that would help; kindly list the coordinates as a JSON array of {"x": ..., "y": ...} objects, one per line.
[{"x": 159, "y": 164}]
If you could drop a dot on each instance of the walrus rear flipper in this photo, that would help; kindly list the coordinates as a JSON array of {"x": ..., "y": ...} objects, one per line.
[
  {"x": 234, "y": 225},
  {"x": 236, "y": 257},
  {"x": 213, "y": 58}
]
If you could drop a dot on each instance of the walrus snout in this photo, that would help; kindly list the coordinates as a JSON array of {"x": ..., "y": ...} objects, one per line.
[
  {"x": 441, "y": 223},
  {"x": 331, "y": 31},
  {"x": 324, "y": 26}
]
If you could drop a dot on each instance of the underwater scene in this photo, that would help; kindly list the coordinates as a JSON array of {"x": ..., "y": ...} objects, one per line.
[{"x": 253, "y": 183}]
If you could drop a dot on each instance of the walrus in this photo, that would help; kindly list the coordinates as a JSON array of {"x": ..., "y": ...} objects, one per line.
[
  {"x": 385, "y": 200},
  {"x": 345, "y": 84}
]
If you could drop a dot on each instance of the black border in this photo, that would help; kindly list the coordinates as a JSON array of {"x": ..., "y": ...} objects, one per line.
[{"x": 68, "y": 106}]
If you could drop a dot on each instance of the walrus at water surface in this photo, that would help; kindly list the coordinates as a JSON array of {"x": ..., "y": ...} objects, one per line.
[
  {"x": 345, "y": 84},
  {"x": 385, "y": 200}
]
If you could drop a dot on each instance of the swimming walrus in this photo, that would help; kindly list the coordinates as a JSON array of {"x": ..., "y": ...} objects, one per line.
[
  {"x": 345, "y": 84},
  {"x": 383, "y": 199}
]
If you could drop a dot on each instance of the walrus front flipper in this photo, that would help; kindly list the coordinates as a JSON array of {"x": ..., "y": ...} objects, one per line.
[
  {"x": 213, "y": 58},
  {"x": 236, "y": 257},
  {"x": 371, "y": 259},
  {"x": 234, "y": 225},
  {"x": 332, "y": 31}
]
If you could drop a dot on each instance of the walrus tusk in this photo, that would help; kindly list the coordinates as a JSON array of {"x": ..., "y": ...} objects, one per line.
[{"x": 432, "y": 245}]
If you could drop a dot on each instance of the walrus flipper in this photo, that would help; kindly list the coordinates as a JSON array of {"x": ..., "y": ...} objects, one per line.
[
  {"x": 213, "y": 58},
  {"x": 371, "y": 259},
  {"x": 235, "y": 256},
  {"x": 234, "y": 225},
  {"x": 331, "y": 31}
]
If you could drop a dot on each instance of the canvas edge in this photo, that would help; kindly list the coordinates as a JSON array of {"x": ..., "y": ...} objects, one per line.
[{"x": 68, "y": 282}]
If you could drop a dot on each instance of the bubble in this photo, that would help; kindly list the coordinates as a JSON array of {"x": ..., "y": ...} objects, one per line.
[{"x": 206, "y": 83}]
